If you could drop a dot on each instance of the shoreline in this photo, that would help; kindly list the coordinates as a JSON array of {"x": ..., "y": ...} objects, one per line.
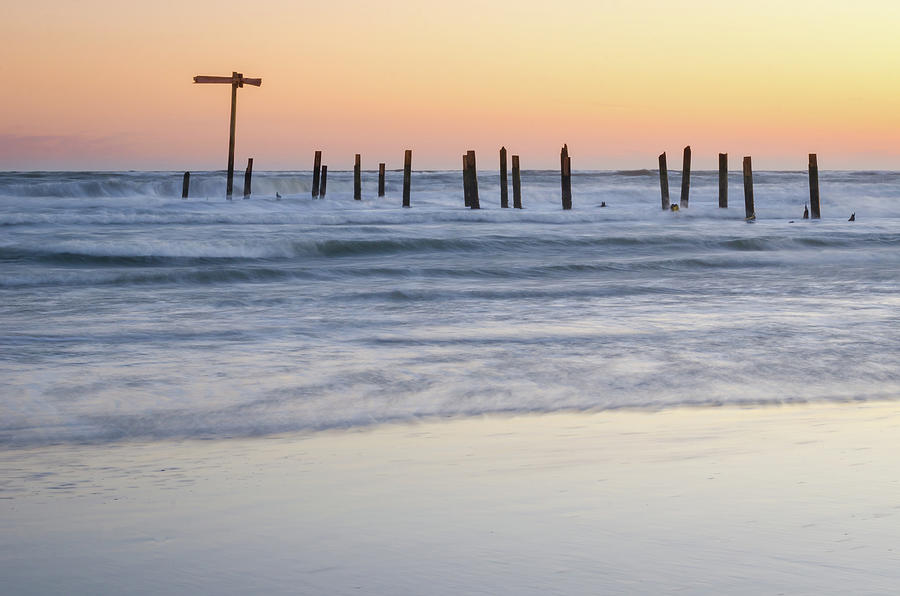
[{"x": 798, "y": 498}]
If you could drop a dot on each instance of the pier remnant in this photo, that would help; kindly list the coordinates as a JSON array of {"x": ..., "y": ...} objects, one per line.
[
  {"x": 474, "y": 202},
  {"x": 565, "y": 167},
  {"x": 317, "y": 168},
  {"x": 815, "y": 211},
  {"x": 407, "y": 176},
  {"x": 357, "y": 183},
  {"x": 686, "y": 177},
  {"x": 517, "y": 183},
  {"x": 236, "y": 80},
  {"x": 381, "y": 180},
  {"x": 664, "y": 181},
  {"x": 504, "y": 191},
  {"x": 322, "y": 182},
  {"x": 185, "y": 185},
  {"x": 248, "y": 175},
  {"x": 723, "y": 181},
  {"x": 749, "y": 209},
  {"x": 467, "y": 198}
]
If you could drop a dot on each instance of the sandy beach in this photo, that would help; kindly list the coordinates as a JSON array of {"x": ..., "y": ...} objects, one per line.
[{"x": 799, "y": 499}]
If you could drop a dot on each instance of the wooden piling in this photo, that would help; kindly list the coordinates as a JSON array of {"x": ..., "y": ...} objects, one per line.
[
  {"x": 467, "y": 191},
  {"x": 723, "y": 181},
  {"x": 248, "y": 175},
  {"x": 686, "y": 177},
  {"x": 381, "y": 180},
  {"x": 815, "y": 211},
  {"x": 504, "y": 192},
  {"x": 565, "y": 166},
  {"x": 664, "y": 181},
  {"x": 407, "y": 176},
  {"x": 323, "y": 181},
  {"x": 357, "y": 182},
  {"x": 229, "y": 187},
  {"x": 474, "y": 203},
  {"x": 749, "y": 208},
  {"x": 517, "y": 183},
  {"x": 185, "y": 185},
  {"x": 317, "y": 166}
]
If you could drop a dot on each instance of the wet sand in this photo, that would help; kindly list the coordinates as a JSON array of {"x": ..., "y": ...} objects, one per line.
[{"x": 801, "y": 499}]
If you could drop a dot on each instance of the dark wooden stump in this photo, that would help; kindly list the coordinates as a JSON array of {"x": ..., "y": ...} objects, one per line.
[
  {"x": 686, "y": 177},
  {"x": 381, "y": 180},
  {"x": 467, "y": 190},
  {"x": 749, "y": 208},
  {"x": 357, "y": 183},
  {"x": 664, "y": 181},
  {"x": 565, "y": 166},
  {"x": 317, "y": 166},
  {"x": 474, "y": 202},
  {"x": 248, "y": 175},
  {"x": 814, "y": 206},
  {"x": 504, "y": 191},
  {"x": 185, "y": 185},
  {"x": 723, "y": 181},
  {"x": 517, "y": 183},
  {"x": 407, "y": 176},
  {"x": 323, "y": 181}
]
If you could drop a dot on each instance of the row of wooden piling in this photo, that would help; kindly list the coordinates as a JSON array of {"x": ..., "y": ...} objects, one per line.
[
  {"x": 470, "y": 181},
  {"x": 749, "y": 207}
]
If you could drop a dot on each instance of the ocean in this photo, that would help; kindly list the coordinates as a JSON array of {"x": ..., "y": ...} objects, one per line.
[{"x": 129, "y": 313}]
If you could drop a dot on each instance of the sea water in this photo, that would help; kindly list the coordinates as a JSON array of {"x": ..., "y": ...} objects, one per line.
[{"x": 127, "y": 312}]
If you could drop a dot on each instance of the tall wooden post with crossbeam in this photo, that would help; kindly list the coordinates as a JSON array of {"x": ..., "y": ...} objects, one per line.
[{"x": 235, "y": 80}]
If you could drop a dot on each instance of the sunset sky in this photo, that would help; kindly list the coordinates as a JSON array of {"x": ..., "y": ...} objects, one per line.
[{"x": 101, "y": 84}]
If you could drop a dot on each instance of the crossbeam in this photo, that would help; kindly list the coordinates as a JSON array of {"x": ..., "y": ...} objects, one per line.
[{"x": 228, "y": 80}]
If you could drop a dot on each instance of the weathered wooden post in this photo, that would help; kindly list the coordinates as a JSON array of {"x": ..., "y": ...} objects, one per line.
[
  {"x": 185, "y": 185},
  {"x": 467, "y": 191},
  {"x": 504, "y": 192},
  {"x": 749, "y": 209},
  {"x": 323, "y": 181},
  {"x": 381, "y": 180},
  {"x": 565, "y": 166},
  {"x": 474, "y": 203},
  {"x": 248, "y": 175},
  {"x": 317, "y": 167},
  {"x": 814, "y": 187},
  {"x": 235, "y": 80},
  {"x": 517, "y": 183},
  {"x": 723, "y": 180},
  {"x": 357, "y": 182},
  {"x": 664, "y": 181},
  {"x": 407, "y": 176},
  {"x": 686, "y": 177}
]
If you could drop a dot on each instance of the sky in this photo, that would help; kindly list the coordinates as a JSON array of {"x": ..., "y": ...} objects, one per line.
[{"x": 107, "y": 85}]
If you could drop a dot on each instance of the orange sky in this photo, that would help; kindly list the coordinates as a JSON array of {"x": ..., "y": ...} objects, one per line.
[{"x": 99, "y": 84}]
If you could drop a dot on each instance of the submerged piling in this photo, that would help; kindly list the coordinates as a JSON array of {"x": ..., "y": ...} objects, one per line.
[
  {"x": 467, "y": 194},
  {"x": 323, "y": 181},
  {"x": 381, "y": 180},
  {"x": 749, "y": 209},
  {"x": 317, "y": 166},
  {"x": 407, "y": 176},
  {"x": 504, "y": 192},
  {"x": 185, "y": 185},
  {"x": 686, "y": 177},
  {"x": 565, "y": 166},
  {"x": 815, "y": 211},
  {"x": 723, "y": 180},
  {"x": 357, "y": 183},
  {"x": 664, "y": 181},
  {"x": 248, "y": 175},
  {"x": 517, "y": 183},
  {"x": 474, "y": 202}
]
